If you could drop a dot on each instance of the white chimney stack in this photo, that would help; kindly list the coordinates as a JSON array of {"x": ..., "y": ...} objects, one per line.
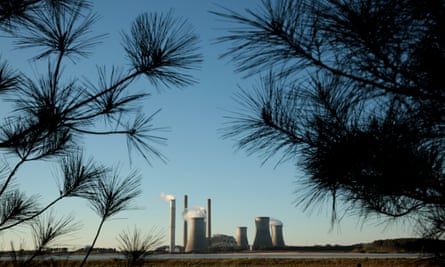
[
  {"x": 185, "y": 233},
  {"x": 172, "y": 224}
]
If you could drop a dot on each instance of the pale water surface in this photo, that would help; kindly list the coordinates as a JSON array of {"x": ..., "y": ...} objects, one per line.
[{"x": 254, "y": 255}]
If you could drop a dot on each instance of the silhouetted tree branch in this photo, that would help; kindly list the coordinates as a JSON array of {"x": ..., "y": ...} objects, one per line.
[
  {"x": 135, "y": 245},
  {"x": 50, "y": 112},
  {"x": 47, "y": 230},
  {"x": 113, "y": 194},
  {"x": 354, "y": 95}
]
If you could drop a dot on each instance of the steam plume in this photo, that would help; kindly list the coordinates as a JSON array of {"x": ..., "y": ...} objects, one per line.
[
  {"x": 275, "y": 222},
  {"x": 167, "y": 197},
  {"x": 195, "y": 212}
]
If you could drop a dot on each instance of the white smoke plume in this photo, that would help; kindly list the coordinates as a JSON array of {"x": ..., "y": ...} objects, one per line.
[
  {"x": 167, "y": 197},
  {"x": 275, "y": 222},
  {"x": 195, "y": 212}
]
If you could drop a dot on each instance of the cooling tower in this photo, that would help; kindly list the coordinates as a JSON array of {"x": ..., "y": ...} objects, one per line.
[
  {"x": 172, "y": 224},
  {"x": 184, "y": 234},
  {"x": 241, "y": 237},
  {"x": 277, "y": 235},
  {"x": 197, "y": 236},
  {"x": 262, "y": 234}
]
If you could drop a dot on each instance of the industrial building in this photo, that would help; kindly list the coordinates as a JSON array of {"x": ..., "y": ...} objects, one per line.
[
  {"x": 220, "y": 241},
  {"x": 197, "y": 235}
]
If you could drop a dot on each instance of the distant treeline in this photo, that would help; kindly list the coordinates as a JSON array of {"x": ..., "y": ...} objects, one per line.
[
  {"x": 59, "y": 251},
  {"x": 401, "y": 245},
  {"x": 325, "y": 248},
  {"x": 406, "y": 245}
]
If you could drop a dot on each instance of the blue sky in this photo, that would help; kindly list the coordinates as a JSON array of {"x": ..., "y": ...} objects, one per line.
[{"x": 200, "y": 163}]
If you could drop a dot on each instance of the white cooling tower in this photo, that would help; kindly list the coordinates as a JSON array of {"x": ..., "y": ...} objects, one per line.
[
  {"x": 277, "y": 235},
  {"x": 241, "y": 237},
  {"x": 172, "y": 224},
  {"x": 262, "y": 234},
  {"x": 197, "y": 236}
]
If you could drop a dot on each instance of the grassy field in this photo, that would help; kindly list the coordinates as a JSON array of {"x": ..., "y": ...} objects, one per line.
[{"x": 366, "y": 262}]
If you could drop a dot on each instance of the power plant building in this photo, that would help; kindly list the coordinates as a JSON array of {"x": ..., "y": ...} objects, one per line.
[
  {"x": 197, "y": 231},
  {"x": 221, "y": 241}
]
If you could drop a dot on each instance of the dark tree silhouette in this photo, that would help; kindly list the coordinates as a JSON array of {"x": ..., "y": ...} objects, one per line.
[
  {"x": 46, "y": 231},
  {"x": 135, "y": 246},
  {"x": 50, "y": 114},
  {"x": 112, "y": 195},
  {"x": 355, "y": 94}
]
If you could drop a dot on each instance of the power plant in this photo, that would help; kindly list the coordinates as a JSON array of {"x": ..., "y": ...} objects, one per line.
[{"x": 197, "y": 234}]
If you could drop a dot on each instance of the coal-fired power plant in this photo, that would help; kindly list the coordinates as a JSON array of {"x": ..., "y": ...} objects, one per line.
[
  {"x": 197, "y": 234},
  {"x": 241, "y": 237},
  {"x": 262, "y": 235},
  {"x": 277, "y": 235}
]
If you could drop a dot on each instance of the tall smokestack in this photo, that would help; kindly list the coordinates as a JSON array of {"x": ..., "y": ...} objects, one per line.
[
  {"x": 241, "y": 237},
  {"x": 184, "y": 236},
  {"x": 277, "y": 234},
  {"x": 172, "y": 200},
  {"x": 262, "y": 234},
  {"x": 172, "y": 224},
  {"x": 209, "y": 222}
]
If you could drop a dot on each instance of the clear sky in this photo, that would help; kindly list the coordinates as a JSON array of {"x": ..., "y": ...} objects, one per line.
[{"x": 200, "y": 163}]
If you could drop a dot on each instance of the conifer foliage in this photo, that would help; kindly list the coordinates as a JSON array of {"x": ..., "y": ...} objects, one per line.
[
  {"x": 353, "y": 91},
  {"x": 52, "y": 111}
]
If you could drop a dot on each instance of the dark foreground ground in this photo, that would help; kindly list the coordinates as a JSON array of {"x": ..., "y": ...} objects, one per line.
[{"x": 338, "y": 262}]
